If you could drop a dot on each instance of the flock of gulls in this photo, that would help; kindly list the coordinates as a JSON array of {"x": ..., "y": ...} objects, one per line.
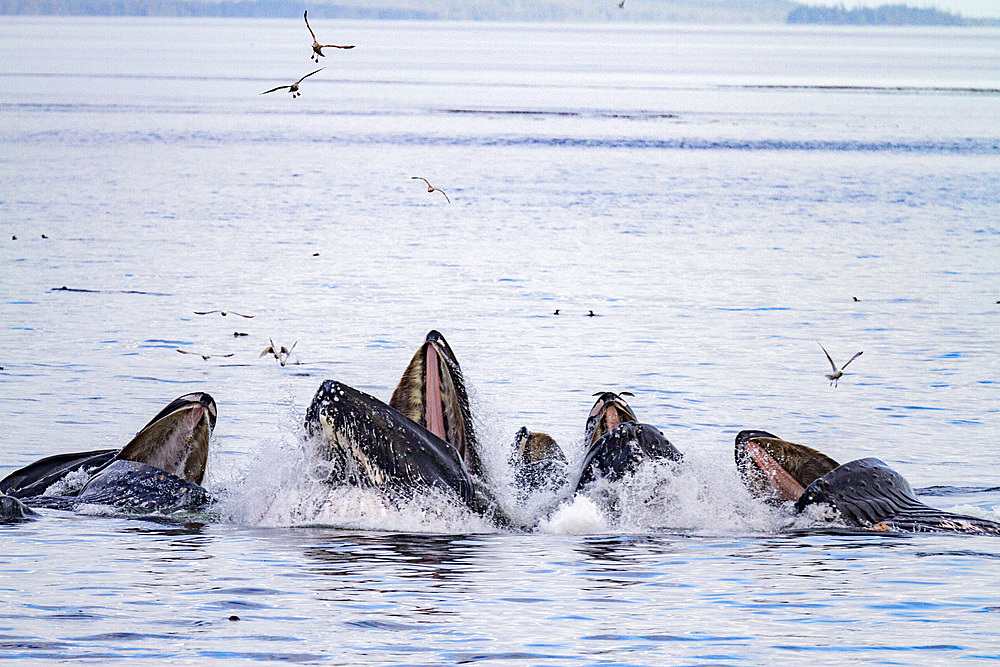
[
  {"x": 317, "y": 53},
  {"x": 281, "y": 353}
]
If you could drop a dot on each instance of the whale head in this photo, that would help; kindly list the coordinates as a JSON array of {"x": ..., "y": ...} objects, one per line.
[
  {"x": 773, "y": 468},
  {"x": 609, "y": 411},
  {"x": 176, "y": 439},
  {"x": 432, "y": 393}
]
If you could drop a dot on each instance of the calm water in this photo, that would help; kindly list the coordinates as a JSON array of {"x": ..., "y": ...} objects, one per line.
[{"x": 718, "y": 196}]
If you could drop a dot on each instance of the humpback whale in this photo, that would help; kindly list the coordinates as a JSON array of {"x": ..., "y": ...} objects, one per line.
[
  {"x": 866, "y": 493},
  {"x": 537, "y": 461},
  {"x": 422, "y": 440},
  {"x": 618, "y": 442},
  {"x": 159, "y": 470}
]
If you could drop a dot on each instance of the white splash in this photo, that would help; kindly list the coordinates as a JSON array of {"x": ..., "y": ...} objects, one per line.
[
  {"x": 70, "y": 484},
  {"x": 578, "y": 516},
  {"x": 285, "y": 486},
  {"x": 992, "y": 514}
]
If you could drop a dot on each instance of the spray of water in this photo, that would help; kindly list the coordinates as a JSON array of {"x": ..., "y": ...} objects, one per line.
[{"x": 286, "y": 484}]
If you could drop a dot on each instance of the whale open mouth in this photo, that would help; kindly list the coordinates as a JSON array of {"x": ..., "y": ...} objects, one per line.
[
  {"x": 432, "y": 393},
  {"x": 609, "y": 411},
  {"x": 176, "y": 439},
  {"x": 775, "y": 468}
]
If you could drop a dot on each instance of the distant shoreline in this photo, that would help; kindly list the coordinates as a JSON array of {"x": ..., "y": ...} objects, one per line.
[{"x": 556, "y": 11}]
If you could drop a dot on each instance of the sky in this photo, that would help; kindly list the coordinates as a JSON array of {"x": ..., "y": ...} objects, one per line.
[{"x": 967, "y": 8}]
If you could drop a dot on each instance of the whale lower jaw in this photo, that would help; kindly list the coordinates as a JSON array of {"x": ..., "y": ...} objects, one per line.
[{"x": 869, "y": 494}]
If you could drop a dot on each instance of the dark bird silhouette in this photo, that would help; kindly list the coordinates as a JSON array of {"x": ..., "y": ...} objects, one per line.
[
  {"x": 591, "y": 314},
  {"x": 206, "y": 357},
  {"x": 557, "y": 312},
  {"x": 317, "y": 47},
  {"x": 237, "y": 334},
  {"x": 431, "y": 188},
  {"x": 224, "y": 313},
  {"x": 837, "y": 373},
  {"x": 621, "y": 5},
  {"x": 293, "y": 88}
]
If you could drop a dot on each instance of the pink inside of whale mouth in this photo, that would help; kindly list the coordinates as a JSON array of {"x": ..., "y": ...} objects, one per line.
[
  {"x": 433, "y": 408},
  {"x": 612, "y": 418},
  {"x": 786, "y": 485}
]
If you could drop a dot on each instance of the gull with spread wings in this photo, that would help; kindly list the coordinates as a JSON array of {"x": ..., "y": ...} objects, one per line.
[
  {"x": 317, "y": 47},
  {"x": 293, "y": 88},
  {"x": 280, "y": 353},
  {"x": 222, "y": 312},
  {"x": 431, "y": 188},
  {"x": 206, "y": 357},
  {"x": 837, "y": 373}
]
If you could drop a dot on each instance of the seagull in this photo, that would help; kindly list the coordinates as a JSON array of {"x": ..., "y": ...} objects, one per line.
[
  {"x": 280, "y": 353},
  {"x": 206, "y": 357},
  {"x": 621, "y": 5},
  {"x": 294, "y": 88},
  {"x": 223, "y": 312},
  {"x": 317, "y": 47},
  {"x": 837, "y": 373},
  {"x": 431, "y": 188}
]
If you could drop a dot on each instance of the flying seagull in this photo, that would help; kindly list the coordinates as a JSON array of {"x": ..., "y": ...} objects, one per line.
[
  {"x": 222, "y": 312},
  {"x": 837, "y": 373},
  {"x": 206, "y": 357},
  {"x": 431, "y": 188},
  {"x": 294, "y": 88},
  {"x": 280, "y": 353},
  {"x": 317, "y": 47}
]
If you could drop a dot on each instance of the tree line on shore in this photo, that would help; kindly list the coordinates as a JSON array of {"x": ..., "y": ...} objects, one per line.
[{"x": 681, "y": 11}]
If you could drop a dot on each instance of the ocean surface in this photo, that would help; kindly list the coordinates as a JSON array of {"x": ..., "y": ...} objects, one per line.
[{"x": 722, "y": 199}]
